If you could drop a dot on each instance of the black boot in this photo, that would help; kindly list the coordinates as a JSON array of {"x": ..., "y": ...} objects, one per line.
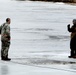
[
  {"x": 2, "y": 57},
  {"x": 70, "y": 56},
  {"x": 5, "y": 58}
]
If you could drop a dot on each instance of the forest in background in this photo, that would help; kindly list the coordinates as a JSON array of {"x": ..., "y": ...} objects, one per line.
[{"x": 71, "y": 1}]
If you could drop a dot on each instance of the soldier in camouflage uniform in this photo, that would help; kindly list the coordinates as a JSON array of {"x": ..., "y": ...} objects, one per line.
[{"x": 5, "y": 40}]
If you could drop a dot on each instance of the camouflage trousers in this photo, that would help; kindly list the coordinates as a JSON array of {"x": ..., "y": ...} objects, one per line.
[{"x": 4, "y": 49}]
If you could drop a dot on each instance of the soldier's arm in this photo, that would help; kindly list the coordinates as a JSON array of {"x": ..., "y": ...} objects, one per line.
[
  {"x": 72, "y": 29},
  {"x": 8, "y": 32}
]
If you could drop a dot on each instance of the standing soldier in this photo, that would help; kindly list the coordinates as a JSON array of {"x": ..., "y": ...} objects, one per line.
[
  {"x": 73, "y": 39},
  {"x": 5, "y": 39}
]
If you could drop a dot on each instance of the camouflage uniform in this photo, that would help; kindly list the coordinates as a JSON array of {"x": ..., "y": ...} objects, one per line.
[{"x": 5, "y": 40}]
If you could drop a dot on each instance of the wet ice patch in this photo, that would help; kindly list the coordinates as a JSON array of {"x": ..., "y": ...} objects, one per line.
[
  {"x": 45, "y": 59},
  {"x": 58, "y": 37}
]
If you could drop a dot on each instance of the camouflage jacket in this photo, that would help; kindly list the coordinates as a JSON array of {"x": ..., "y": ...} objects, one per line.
[{"x": 5, "y": 32}]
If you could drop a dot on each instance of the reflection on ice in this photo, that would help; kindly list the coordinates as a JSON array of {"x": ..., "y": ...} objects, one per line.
[{"x": 4, "y": 70}]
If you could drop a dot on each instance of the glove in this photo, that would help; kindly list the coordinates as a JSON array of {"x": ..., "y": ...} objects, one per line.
[{"x": 68, "y": 26}]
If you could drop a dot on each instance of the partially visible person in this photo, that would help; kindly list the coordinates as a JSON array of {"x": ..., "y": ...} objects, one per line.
[
  {"x": 5, "y": 39},
  {"x": 73, "y": 39}
]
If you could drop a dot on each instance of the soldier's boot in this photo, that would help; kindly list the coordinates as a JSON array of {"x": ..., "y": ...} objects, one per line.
[
  {"x": 2, "y": 57},
  {"x": 5, "y": 58}
]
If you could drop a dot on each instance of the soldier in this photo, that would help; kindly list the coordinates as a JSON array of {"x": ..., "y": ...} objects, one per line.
[
  {"x": 5, "y": 39},
  {"x": 73, "y": 39}
]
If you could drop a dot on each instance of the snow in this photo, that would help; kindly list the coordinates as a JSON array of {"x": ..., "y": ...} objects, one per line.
[{"x": 40, "y": 40}]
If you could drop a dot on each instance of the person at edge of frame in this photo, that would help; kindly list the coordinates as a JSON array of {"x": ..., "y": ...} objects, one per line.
[
  {"x": 5, "y": 39},
  {"x": 73, "y": 39}
]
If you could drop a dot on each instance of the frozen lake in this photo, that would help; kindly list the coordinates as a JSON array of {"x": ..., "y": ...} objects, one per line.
[
  {"x": 38, "y": 27},
  {"x": 39, "y": 32}
]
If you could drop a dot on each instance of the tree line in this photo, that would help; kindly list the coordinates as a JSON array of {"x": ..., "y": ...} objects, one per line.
[{"x": 72, "y": 1}]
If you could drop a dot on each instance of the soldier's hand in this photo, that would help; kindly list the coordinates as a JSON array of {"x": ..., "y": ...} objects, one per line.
[{"x": 68, "y": 25}]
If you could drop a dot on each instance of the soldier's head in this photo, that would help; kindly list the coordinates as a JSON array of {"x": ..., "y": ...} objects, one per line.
[
  {"x": 74, "y": 21},
  {"x": 8, "y": 20}
]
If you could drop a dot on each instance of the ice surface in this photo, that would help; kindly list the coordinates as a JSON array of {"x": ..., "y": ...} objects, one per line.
[{"x": 39, "y": 38}]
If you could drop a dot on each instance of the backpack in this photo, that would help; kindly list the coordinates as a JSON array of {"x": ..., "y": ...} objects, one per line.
[{"x": 1, "y": 27}]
